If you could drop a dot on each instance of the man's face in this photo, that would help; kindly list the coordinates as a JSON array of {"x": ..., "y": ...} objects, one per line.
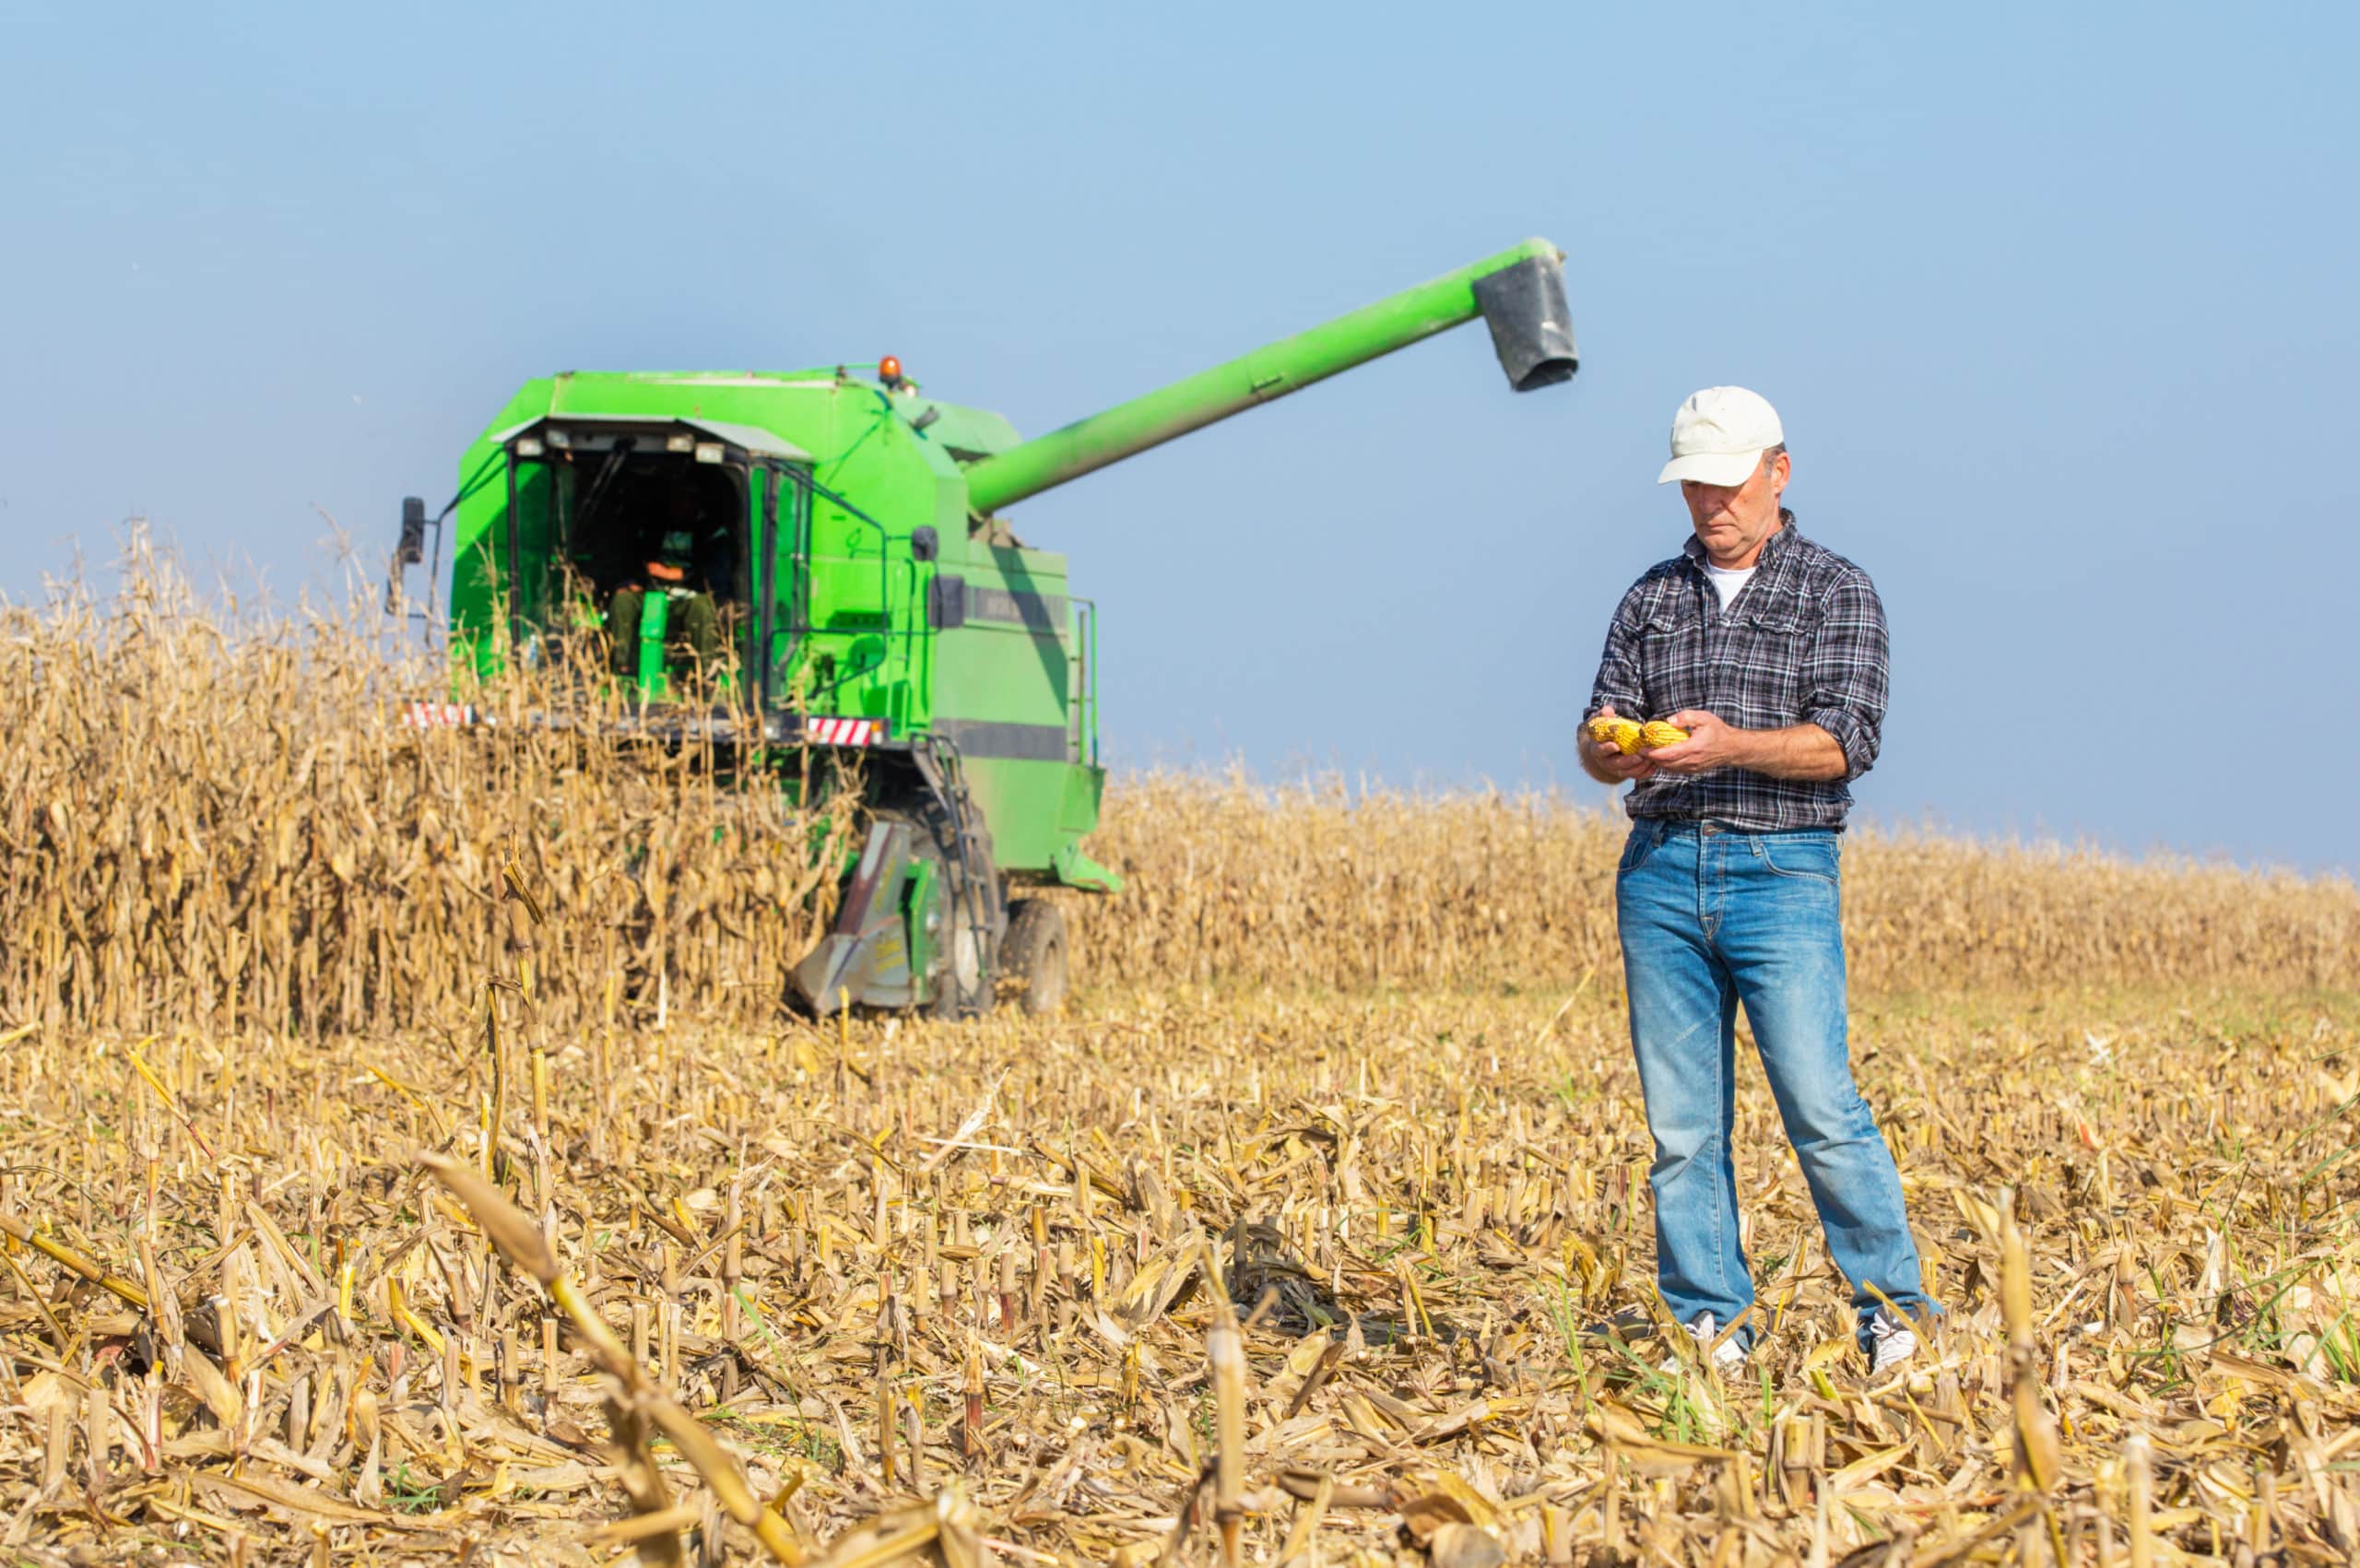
[{"x": 1732, "y": 520}]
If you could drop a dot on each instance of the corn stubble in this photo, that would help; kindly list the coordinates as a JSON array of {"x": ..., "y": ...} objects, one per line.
[{"x": 462, "y": 1203}]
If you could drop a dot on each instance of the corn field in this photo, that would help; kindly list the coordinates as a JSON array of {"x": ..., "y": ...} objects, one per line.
[
  {"x": 1313, "y": 886},
  {"x": 225, "y": 827},
  {"x": 409, "y": 1161}
]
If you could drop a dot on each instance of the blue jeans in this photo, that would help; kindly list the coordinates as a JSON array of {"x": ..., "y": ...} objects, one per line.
[{"x": 1711, "y": 917}]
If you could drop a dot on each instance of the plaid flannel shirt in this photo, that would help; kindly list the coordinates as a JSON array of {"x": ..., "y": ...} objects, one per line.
[{"x": 1803, "y": 643}]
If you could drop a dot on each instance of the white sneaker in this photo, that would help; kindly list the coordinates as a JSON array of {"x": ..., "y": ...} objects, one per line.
[
  {"x": 1729, "y": 1360},
  {"x": 1891, "y": 1343}
]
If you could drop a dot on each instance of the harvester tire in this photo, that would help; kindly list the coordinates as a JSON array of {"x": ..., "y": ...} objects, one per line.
[{"x": 1033, "y": 955}]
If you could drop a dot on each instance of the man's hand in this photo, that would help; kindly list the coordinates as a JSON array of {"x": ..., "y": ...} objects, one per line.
[
  {"x": 1604, "y": 762},
  {"x": 1710, "y": 744},
  {"x": 1798, "y": 751}
]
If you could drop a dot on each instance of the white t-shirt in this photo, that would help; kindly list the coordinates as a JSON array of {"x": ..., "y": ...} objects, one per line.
[{"x": 1727, "y": 581}]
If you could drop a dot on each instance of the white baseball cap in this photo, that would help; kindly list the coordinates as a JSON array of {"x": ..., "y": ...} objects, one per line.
[{"x": 1719, "y": 435}]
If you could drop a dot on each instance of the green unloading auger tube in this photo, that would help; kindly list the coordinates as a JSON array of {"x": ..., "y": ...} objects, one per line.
[{"x": 1519, "y": 293}]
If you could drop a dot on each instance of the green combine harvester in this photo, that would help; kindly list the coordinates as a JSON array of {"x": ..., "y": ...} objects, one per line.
[{"x": 811, "y": 567}]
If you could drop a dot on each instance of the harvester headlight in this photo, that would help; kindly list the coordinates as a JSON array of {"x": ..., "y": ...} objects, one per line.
[
  {"x": 528, "y": 446},
  {"x": 679, "y": 443},
  {"x": 708, "y": 451}
]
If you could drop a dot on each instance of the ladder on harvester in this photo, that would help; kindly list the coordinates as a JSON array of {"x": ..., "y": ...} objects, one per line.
[{"x": 944, "y": 770}]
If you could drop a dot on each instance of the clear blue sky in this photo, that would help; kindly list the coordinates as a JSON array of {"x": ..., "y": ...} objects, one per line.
[{"x": 2057, "y": 304}]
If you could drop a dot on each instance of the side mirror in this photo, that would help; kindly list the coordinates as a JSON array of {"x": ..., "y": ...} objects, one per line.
[
  {"x": 925, "y": 543},
  {"x": 410, "y": 551}
]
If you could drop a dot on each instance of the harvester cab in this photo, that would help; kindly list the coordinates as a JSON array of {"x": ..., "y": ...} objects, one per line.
[{"x": 812, "y": 571}]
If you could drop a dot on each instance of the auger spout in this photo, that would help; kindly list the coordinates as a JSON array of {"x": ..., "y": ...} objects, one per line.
[{"x": 1520, "y": 293}]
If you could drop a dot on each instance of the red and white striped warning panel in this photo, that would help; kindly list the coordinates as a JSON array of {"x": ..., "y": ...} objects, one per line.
[
  {"x": 844, "y": 732},
  {"x": 440, "y": 715}
]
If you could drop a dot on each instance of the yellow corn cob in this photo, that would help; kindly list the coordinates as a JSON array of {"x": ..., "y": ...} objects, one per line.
[
  {"x": 1621, "y": 733},
  {"x": 1659, "y": 733}
]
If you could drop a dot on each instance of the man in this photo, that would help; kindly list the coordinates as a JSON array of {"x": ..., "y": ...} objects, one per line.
[
  {"x": 1770, "y": 652},
  {"x": 684, "y": 559}
]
